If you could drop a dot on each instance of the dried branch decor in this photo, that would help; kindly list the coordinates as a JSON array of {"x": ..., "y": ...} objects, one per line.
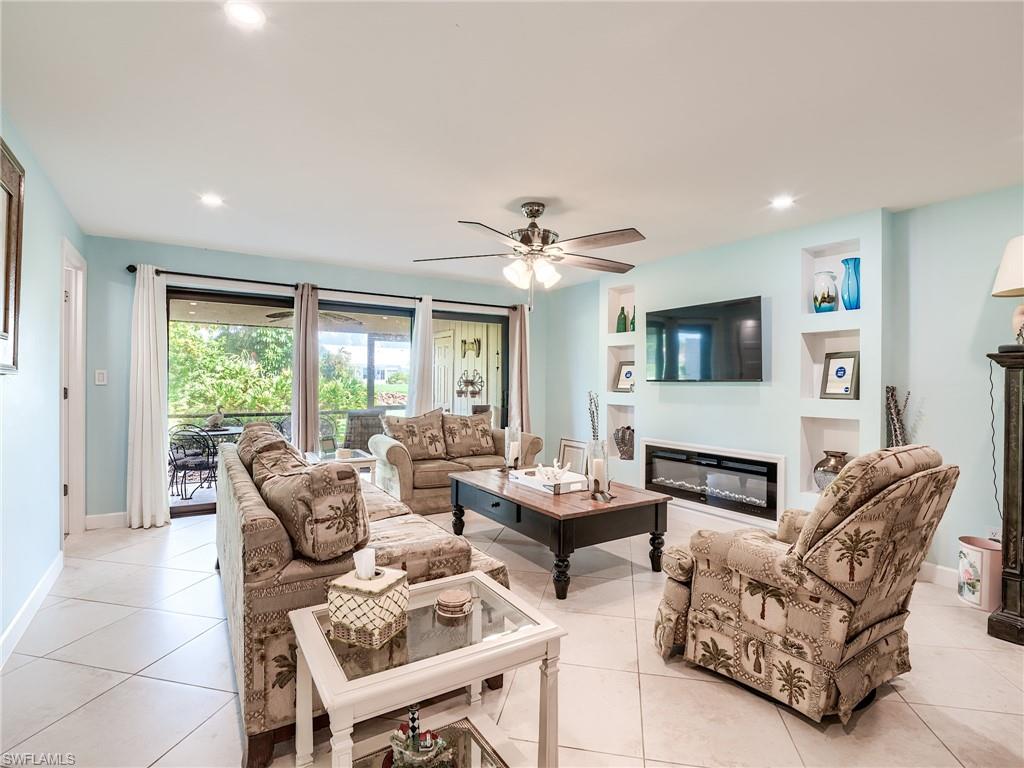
[{"x": 592, "y": 407}]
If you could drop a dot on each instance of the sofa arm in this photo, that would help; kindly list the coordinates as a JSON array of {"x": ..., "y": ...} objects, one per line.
[
  {"x": 533, "y": 445},
  {"x": 394, "y": 466},
  {"x": 790, "y": 524}
]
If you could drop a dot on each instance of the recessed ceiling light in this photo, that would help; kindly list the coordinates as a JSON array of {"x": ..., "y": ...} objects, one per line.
[
  {"x": 210, "y": 200},
  {"x": 782, "y": 202},
  {"x": 245, "y": 14},
  {"x": 193, "y": 303},
  {"x": 191, "y": 311}
]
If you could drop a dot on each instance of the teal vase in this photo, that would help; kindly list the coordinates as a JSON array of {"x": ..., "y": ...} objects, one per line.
[{"x": 851, "y": 283}]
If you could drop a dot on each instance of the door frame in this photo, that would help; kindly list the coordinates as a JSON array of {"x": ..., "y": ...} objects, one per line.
[{"x": 73, "y": 393}]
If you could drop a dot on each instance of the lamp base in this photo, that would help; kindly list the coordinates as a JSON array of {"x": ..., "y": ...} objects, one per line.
[{"x": 1013, "y": 349}]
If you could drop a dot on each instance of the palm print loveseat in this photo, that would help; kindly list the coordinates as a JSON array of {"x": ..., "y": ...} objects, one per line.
[{"x": 812, "y": 615}]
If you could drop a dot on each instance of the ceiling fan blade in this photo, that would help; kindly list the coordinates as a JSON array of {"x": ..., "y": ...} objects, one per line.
[
  {"x": 483, "y": 229},
  {"x": 600, "y": 240},
  {"x": 592, "y": 262},
  {"x": 480, "y": 256}
]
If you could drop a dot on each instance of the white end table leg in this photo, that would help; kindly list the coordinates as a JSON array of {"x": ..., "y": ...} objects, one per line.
[
  {"x": 303, "y": 712},
  {"x": 341, "y": 738},
  {"x": 547, "y": 742}
]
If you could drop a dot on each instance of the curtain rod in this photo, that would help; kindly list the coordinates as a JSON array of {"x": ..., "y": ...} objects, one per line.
[{"x": 132, "y": 268}]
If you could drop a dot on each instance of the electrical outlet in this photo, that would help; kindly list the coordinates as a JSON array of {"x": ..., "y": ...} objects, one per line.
[
  {"x": 995, "y": 534},
  {"x": 101, "y": 377}
]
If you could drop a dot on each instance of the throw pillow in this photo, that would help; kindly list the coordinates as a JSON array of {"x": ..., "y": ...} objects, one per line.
[
  {"x": 321, "y": 507},
  {"x": 253, "y": 440},
  {"x": 421, "y": 435},
  {"x": 275, "y": 461},
  {"x": 467, "y": 435}
]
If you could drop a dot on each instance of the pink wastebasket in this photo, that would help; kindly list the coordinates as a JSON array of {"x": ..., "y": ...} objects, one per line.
[{"x": 979, "y": 571}]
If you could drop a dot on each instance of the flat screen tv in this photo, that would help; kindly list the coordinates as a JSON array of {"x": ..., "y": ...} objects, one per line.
[{"x": 706, "y": 342}]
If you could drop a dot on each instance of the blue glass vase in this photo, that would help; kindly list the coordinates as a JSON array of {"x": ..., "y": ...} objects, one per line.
[{"x": 851, "y": 283}]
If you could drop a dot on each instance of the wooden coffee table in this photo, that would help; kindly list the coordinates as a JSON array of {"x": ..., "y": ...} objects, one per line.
[{"x": 563, "y": 523}]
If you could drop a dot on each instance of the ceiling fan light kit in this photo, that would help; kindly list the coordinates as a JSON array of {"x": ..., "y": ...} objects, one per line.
[{"x": 535, "y": 251}]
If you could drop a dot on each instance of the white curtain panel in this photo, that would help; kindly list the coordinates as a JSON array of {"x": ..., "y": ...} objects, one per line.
[
  {"x": 306, "y": 369},
  {"x": 421, "y": 384},
  {"x": 519, "y": 370},
  {"x": 148, "y": 504}
]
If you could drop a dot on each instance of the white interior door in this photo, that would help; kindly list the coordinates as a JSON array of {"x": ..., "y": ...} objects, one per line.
[
  {"x": 72, "y": 395},
  {"x": 444, "y": 369}
]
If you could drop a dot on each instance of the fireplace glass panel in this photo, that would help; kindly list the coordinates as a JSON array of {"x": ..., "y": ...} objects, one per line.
[{"x": 740, "y": 485}]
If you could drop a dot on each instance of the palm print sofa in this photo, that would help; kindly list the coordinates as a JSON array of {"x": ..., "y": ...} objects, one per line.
[
  {"x": 812, "y": 616},
  {"x": 284, "y": 530}
]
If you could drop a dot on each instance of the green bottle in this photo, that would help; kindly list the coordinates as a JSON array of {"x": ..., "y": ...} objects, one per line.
[
  {"x": 632, "y": 320},
  {"x": 622, "y": 321}
]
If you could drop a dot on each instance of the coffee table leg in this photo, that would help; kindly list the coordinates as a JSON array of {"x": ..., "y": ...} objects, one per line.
[
  {"x": 303, "y": 712},
  {"x": 657, "y": 542},
  {"x": 341, "y": 739},
  {"x": 547, "y": 742},
  {"x": 458, "y": 512},
  {"x": 560, "y": 576}
]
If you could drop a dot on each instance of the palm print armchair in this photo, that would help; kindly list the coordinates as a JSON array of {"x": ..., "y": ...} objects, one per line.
[{"x": 813, "y": 615}]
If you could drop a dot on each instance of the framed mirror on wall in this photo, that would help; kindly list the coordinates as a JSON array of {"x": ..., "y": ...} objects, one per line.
[{"x": 12, "y": 207}]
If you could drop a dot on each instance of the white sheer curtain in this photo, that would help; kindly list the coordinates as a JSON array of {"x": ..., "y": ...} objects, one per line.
[
  {"x": 519, "y": 369},
  {"x": 306, "y": 369},
  {"x": 421, "y": 384},
  {"x": 147, "y": 501}
]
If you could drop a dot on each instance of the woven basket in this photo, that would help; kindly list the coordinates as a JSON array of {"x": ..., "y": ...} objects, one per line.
[{"x": 368, "y": 612}]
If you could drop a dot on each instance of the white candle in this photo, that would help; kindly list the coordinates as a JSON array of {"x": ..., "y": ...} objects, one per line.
[
  {"x": 597, "y": 472},
  {"x": 513, "y": 452}
]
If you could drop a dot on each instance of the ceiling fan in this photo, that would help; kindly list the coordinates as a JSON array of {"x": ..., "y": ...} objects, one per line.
[
  {"x": 287, "y": 314},
  {"x": 535, "y": 251}
]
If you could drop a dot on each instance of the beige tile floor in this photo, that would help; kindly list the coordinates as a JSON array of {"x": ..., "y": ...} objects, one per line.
[{"x": 127, "y": 664}]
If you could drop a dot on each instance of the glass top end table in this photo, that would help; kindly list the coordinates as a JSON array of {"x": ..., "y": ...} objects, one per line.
[{"x": 431, "y": 657}]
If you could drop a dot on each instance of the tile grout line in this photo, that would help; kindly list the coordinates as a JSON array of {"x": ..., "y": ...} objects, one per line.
[
  {"x": 933, "y": 733},
  {"x": 68, "y": 714},
  {"x": 228, "y": 703},
  {"x": 789, "y": 733}
]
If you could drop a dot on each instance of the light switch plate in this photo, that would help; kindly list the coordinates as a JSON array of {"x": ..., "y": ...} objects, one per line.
[{"x": 101, "y": 377}]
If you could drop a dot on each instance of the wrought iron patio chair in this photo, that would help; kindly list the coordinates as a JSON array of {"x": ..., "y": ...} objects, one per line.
[{"x": 192, "y": 451}]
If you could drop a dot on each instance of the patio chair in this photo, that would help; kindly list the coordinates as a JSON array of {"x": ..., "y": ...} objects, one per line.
[
  {"x": 192, "y": 450},
  {"x": 361, "y": 425}
]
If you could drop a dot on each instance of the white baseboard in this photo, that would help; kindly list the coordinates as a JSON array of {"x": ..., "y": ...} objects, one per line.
[
  {"x": 722, "y": 520},
  {"x": 109, "y": 520},
  {"x": 942, "y": 575},
  {"x": 27, "y": 612}
]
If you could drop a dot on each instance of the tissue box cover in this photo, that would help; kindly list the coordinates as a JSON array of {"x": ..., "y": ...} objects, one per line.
[{"x": 368, "y": 612}]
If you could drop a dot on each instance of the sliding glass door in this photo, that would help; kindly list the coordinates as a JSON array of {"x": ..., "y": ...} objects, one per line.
[
  {"x": 364, "y": 364},
  {"x": 225, "y": 353},
  {"x": 470, "y": 370}
]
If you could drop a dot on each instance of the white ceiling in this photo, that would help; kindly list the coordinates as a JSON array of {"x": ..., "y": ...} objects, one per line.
[{"x": 359, "y": 133}]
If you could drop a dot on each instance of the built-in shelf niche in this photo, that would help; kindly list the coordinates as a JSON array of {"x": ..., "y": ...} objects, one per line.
[
  {"x": 619, "y": 354},
  {"x": 820, "y": 434},
  {"x": 618, "y": 415},
  {"x": 827, "y": 257},
  {"x": 620, "y": 296},
  {"x": 813, "y": 348}
]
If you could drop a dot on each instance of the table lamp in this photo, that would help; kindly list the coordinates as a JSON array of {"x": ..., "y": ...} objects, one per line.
[{"x": 1010, "y": 282}]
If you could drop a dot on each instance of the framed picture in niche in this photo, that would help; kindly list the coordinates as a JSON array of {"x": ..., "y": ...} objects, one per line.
[
  {"x": 12, "y": 207},
  {"x": 625, "y": 376},
  {"x": 840, "y": 376}
]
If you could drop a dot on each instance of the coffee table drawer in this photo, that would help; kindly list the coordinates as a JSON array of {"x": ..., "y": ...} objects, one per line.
[{"x": 494, "y": 507}]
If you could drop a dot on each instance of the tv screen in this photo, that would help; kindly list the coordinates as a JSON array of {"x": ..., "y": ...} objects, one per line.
[{"x": 706, "y": 342}]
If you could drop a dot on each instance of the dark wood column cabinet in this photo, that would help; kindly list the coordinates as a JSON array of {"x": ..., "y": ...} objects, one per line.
[{"x": 1008, "y": 622}]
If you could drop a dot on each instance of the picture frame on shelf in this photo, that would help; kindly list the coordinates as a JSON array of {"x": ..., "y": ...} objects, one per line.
[
  {"x": 572, "y": 453},
  {"x": 840, "y": 376},
  {"x": 625, "y": 376}
]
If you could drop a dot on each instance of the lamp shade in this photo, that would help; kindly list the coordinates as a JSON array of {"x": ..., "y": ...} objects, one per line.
[{"x": 1010, "y": 280}]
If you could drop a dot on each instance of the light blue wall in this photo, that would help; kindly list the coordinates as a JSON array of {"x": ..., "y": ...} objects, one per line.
[
  {"x": 109, "y": 331},
  {"x": 952, "y": 250},
  {"x": 939, "y": 323},
  {"x": 570, "y": 363},
  {"x": 30, "y": 399}
]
